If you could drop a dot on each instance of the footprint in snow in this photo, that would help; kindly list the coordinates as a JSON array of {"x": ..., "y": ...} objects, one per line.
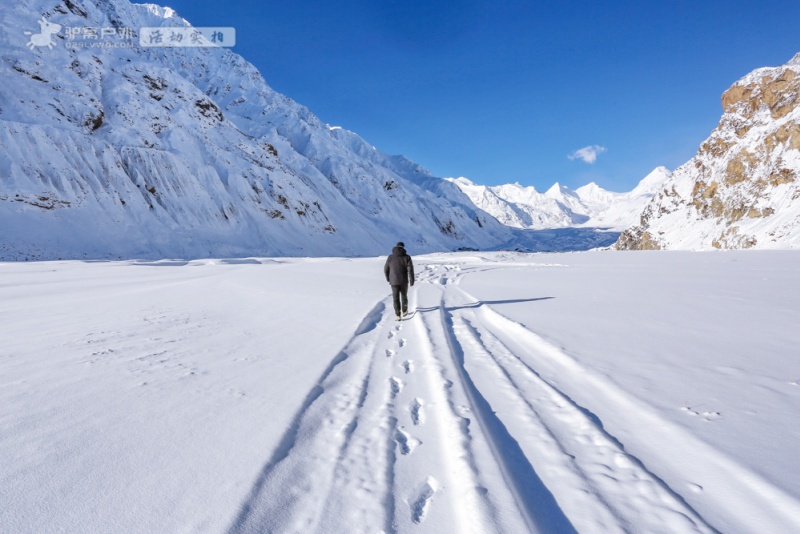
[
  {"x": 391, "y": 334},
  {"x": 419, "y": 508},
  {"x": 406, "y": 441},
  {"x": 707, "y": 415},
  {"x": 389, "y": 353},
  {"x": 408, "y": 366},
  {"x": 396, "y": 385},
  {"x": 401, "y": 343},
  {"x": 417, "y": 412}
]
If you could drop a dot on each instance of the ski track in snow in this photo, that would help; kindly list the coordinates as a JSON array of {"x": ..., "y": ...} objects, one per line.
[{"x": 474, "y": 438}]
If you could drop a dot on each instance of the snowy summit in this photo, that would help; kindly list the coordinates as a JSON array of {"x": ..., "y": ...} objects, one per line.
[{"x": 559, "y": 207}]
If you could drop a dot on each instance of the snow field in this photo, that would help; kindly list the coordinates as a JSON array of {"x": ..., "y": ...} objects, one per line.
[
  {"x": 523, "y": 393},
  {"x": 146, "y": 396}
]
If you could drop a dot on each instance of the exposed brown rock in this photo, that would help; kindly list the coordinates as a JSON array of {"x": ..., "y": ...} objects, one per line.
[
  {"x": 782, "y": 176},
  {"x": 735, "y": 172},
  {"x": 780, "y": 94},
  {"x": 648, "y": 243},
  {"x": 789, "y": 133},
  {"x": 735, "y": 213},
  {"x": 731, "y": 238},
  {"x": 711, "y": 190},
  {"x": 636, "y": 239},
  {"x": 738, "y": 166},
  {"x": 755, "y": 213},
  {"x": 631, "y": 239},
  {"x": 734, "y": 95},
  {"x": 715, "y": 146},
  {"x": 717, "y": 208},
  {"x": 784, "y": 109},
  {"x": 701, "y": 194}
]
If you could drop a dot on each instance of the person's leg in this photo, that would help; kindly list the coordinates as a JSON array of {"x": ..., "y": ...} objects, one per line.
[
  {"x": 396, "y": 299},
  {"x": 404, "y": 294}
]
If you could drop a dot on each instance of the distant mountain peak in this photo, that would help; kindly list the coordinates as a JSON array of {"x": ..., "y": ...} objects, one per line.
[
  {"x": 560, "y": 207},
  {"x": 590, "y": 187},
  {"x": 555, "y": 188},
  {"x": 162, "y": 11},
  {"x": 652, "y": 182},
  {"x": 462, "y": 181}
]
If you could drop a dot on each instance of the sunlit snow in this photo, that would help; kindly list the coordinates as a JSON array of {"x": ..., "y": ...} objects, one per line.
[{"x": 591, "y": 392}]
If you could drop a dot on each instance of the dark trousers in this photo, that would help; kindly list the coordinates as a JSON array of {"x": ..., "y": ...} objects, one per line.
[{"x": 397, "y": 293}]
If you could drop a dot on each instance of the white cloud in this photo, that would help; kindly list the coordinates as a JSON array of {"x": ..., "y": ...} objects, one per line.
[{"x": 588, "y": 153}]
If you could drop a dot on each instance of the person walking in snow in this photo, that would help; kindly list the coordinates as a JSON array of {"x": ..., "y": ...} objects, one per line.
[{"x": 399, "y": 271}]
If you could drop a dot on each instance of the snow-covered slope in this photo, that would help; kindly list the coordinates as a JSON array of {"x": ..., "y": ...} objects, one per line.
[
  {"x": 560, "y": 207},
  {"x": 516, "y": 205},
  {"x": 129, "y": 151},
  {"x": 741, "y": 190},
  {"x": 621, "y": 211}
]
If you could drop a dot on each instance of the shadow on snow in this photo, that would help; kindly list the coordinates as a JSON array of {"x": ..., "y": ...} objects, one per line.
[
  {"x": 538, "y": 504},
  {"x": 477, "y": 304}
]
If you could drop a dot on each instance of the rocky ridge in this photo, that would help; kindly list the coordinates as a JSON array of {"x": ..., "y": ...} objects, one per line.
[{"x": 742, "y": 188}]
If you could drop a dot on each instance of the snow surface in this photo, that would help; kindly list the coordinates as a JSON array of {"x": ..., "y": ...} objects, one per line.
[{"x": 589, "y": 392}]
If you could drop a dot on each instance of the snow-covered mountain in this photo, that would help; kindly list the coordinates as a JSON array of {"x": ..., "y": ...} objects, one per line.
[
  {"x": 516, "y": 205},
  {"x": 560, "y": 207},
  {"x": 741, "y": 189},
  {"x": 108, "y": 149}
]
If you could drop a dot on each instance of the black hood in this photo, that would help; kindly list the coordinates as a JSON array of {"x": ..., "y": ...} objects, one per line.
[{"x": 399, "y": 251}]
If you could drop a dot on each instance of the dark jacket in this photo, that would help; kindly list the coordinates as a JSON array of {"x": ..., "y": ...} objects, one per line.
[{"x": 399, "y": 268}]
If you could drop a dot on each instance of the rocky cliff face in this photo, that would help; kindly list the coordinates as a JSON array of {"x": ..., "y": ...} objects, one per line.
[
  {"x": 742, "y": 189},
  {"x": 110, "y": 149}
]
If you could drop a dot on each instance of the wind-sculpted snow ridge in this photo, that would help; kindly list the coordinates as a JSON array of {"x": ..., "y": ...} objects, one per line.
[
  {"x": 126, "y": 151},
  {"x": 451, "y": 421}
]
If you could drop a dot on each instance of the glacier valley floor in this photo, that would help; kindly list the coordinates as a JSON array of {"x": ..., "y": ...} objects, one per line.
[{"x": 575, "y": 392}]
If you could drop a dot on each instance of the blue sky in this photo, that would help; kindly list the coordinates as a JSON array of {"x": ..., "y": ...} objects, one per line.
[{"x": 506, "y": 90}]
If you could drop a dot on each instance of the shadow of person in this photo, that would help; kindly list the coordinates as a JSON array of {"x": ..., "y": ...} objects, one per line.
[
  {"x": 476, "y": 304},
  {"x": 479, "y": 303}
]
